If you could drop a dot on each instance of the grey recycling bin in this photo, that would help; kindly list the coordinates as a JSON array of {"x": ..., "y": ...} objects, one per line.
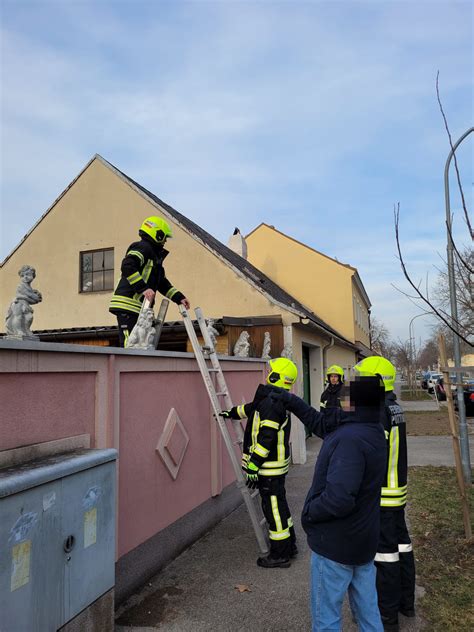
[{"x": 57, "y": 538}]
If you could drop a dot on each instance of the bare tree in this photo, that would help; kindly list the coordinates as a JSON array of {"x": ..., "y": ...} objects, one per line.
[
  {"x": 380, "y": 338},
  {"x": 429, "y": 353}
]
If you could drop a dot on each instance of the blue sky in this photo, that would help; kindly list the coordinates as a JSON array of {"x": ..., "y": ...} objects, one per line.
[{"x": 315, "y": 117}]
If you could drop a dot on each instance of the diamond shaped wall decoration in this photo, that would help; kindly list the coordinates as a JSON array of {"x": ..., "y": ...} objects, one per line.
[{"x": 173, "y": 443}]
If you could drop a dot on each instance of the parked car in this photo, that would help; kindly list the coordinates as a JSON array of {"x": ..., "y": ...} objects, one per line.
[
  {"x": 468, "y": 398},
  {"x": 440, "y": 390},
  {"x": 424, "y": 380},
  {"x": 433, "y": 378}
]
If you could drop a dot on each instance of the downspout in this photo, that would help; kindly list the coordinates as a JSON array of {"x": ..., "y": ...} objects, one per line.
[{"x": 325, "y": 349}]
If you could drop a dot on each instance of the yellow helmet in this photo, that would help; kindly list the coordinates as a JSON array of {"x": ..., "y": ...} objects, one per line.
[
  {"x": 283, "y": 373},
  {"x": 157, "y": 229},
  {"x": 376, "y": 365},
  {"x": 335, "y": 369}
]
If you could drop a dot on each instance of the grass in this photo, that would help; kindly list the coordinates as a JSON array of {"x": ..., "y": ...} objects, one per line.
[
  {"x": 415, "y": 396},
  {"x": 433, "y": 422},
  {"x": 445, "y": 567}
]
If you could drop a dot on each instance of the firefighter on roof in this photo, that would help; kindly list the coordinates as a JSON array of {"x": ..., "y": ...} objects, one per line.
[{"x": 143, "y": 275}]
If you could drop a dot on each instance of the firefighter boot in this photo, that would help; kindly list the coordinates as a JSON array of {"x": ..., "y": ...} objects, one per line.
[{"x": 273, "y": 562}]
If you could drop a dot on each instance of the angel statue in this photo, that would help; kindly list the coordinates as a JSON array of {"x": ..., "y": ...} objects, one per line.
[
  {"x": 242, "y": 346},
  {"x": 20, "y": 313}
]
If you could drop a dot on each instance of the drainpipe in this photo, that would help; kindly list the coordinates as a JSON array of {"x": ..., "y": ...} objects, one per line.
[{"x": 325, "y": 349}]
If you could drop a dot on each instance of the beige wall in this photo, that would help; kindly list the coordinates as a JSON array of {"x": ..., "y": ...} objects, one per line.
[
  {"x": 361, "y": 316},
  {"x": 319, "y": 282},
  {"x": 99, "y": 211}
]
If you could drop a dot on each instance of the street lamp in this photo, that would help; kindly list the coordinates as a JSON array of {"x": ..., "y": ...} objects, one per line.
[{"x": 463, "y": 433}]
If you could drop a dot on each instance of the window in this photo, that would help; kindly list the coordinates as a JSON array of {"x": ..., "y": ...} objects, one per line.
[{"x": 97, "y": 270}]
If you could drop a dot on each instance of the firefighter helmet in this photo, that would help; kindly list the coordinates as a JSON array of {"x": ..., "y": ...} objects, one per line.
[
  {"x": 376, "y": 365},
  {"x": 335, "y": 369},
  {"x": 283, "y": 373},
  {"x": 157, "y": 229}
]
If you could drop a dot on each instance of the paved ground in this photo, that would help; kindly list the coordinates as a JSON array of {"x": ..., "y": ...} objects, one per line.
[
  {"x": 433, "y": 450},
  {"x": 197, "y": 591}
]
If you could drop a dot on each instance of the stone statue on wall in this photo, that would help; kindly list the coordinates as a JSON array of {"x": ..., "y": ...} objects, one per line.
[
  {"x": 267, "y": 345},
  {"x": 287, "y": 351},
  {"x": 242, "y": 346},
  {"x": 143, "y": 334},
  {"x": 20, "y": 313},
  {"x": 212, "y": 331}
]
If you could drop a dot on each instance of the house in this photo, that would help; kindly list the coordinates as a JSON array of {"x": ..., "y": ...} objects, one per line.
[
  {"x": 76, "y": 248},
  {"x": 329, "y": 288}
]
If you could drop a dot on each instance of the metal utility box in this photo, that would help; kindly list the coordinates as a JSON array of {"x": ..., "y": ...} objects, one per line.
[{"x": 57, "y": 538}]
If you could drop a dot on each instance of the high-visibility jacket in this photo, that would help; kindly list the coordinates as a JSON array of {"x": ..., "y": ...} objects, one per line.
[
  {"x": 394, "y": 490},
  {"x": 267, "y": 433},
  {"x": 142, "y": 268}
]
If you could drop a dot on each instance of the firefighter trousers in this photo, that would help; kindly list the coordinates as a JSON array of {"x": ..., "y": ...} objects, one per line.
[
  {"x": 277, "y": 513},
  {"x": 126, "y": 322},
  {"x": 395, "y": 565}
]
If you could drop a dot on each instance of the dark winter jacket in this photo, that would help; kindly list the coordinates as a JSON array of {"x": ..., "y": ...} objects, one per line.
[
  {"x": 267, "y": 433},
  {"x": 142, "y": 268},
  {"x": 331, "y": 401},
  {"x": 341, "y": 512}
]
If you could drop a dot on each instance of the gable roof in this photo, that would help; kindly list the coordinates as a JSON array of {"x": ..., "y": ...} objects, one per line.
[
  {"x": 241, "y": 266},
  {"x": 356, "y": 276}
]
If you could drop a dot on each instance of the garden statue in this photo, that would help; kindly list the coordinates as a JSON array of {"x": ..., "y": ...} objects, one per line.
[
  {"x": 142, "y": 335},
  {"x": 212, "y": 331},
  {"x": 242, "y": 346},
  {"x": 20, "y": 313},
  {"x": 287, "y": 351},
  {"x": 267, "y": 345}
]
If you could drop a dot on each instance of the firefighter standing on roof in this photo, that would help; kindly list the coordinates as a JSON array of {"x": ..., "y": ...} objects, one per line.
[
  {"x": 143, "y": 275},
  {"x": 266, "y": 459},
  {"x": 394, "y": 559}
]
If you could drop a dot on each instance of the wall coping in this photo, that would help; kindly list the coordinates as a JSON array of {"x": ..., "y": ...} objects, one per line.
[{"x": 62, "y": 347}]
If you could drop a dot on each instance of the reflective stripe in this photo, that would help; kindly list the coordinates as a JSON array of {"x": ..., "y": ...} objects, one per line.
[
  {"x": 405, "y": 548},
  {"x": 270, "y": 424},
  {"x": 394, "y": 491},
  {"x": 283, "y": 470},
  {"x": 279, "y": 535},
  {"x": 281, "y": 442},
  {"x": 241, "y": 411},
  {"x": 127, "y": 299},
  {"x": 276, "y": 514},
  {"x": 387, "y": 557},
  {"x": 290, "y": 521},
  {"x": 255, "y": 429},
  {"x": 276, "y": 463},
  {"x": 147, "y": 270},
  {"x": 125, "y": 342},
  {"x": 136, "y": 253},
  {"x": 171, "y": 292},
  {"x": 393, "y": 502},
  {"x": 322, "y": 404},
  {"x": 392, "y": 474},
  {"x": 261, "y": 451},
  {"x": 134, "y": 278},
  {"x": 126, "y": 307}
]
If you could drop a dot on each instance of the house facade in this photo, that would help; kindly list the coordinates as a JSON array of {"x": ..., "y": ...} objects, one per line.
[{"x": 77, "y": 246}]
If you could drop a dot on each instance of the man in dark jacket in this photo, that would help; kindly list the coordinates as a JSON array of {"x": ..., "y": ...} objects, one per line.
[
  {"x": 142, "y": 276},
  {"x": 266, "y": 458},
  {"x": 341, "y": 511}
]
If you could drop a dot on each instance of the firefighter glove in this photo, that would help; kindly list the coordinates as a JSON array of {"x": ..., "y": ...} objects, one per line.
[
  {"x": 225, "y": 414},
  {"x": 252, "y": 475}
]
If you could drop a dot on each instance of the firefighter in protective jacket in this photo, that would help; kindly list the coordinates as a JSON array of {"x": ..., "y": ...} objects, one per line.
[
  {"x": 394, "y": 560},
  {"x": 266, "y": 458},
  {"x": 143, "y": 275},
  {"x": 330, "y": 401}
]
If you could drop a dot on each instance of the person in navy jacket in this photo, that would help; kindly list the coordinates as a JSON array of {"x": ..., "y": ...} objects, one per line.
[{"x": 341, "y": 514}]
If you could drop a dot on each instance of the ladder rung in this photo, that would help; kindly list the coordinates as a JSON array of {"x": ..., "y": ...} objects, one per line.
[
  {"x": 222, "y": 393},
  {"x": 254, "y": 493},
  {"x": 238, "y": 442},
  {"x": 263, "y": 521},
  {"x": 213, "y": 370}
]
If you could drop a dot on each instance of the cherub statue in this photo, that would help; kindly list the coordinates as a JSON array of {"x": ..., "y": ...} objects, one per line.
[
  {"x": 287, "y": 351},
  {"x": 143, "y": 334},
  {"x": 267, "y": 345},
  {"x": 20, "y": 313},
  {"x": 242, "y": 346},
  {"x": 212, "y": 331}
]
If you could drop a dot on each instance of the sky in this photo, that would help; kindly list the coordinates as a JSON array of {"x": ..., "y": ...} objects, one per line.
[{"x": 315, "y": 117}]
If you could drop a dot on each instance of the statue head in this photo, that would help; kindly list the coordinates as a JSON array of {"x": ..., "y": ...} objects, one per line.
[{"x": 27, "y": 273}]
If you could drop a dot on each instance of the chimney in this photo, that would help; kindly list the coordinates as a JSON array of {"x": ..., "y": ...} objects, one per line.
[{"x": 238, "y": 244}]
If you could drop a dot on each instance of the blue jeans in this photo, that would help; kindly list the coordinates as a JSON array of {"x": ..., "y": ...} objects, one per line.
[{"x": 329, "y": 583}]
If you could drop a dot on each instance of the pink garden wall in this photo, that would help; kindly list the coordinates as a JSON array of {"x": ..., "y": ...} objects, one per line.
[{"x": 132, "y": 401}]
